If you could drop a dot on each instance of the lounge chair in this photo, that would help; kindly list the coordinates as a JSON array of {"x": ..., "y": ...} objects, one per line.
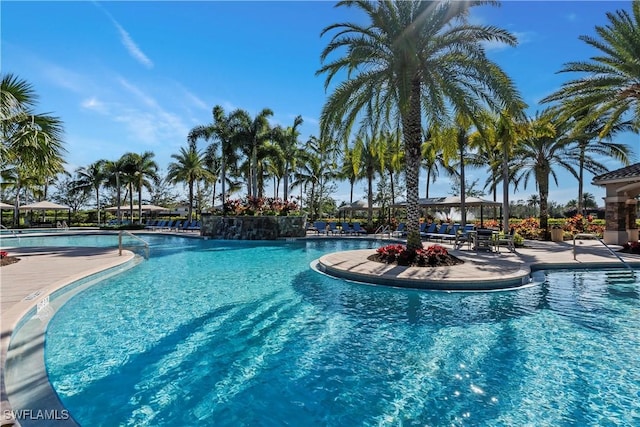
[
  {"x": 429, "y": 230},
  {"x": 440, "y": 231},
  {"x": 357, "y": 229},
  {"x": 400, "y": 230},
  {"x": 159, "y": 225},
  {"x": 452, "y": 233},
  {"x": 169, "y": 225},
  {"x": 177, "y": 226},
  {"x": 195, "y": 226},
  {"x": 333, "y": 228},
  {"x": 320, "y": 227},
  {"x": 151, "y": 224},
  {"x": 346, "y": 228}
]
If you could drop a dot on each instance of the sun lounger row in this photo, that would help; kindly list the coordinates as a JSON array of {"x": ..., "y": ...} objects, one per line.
[
  {"x": 173, "y": 225},
  {"x": 322, "y": 227}
]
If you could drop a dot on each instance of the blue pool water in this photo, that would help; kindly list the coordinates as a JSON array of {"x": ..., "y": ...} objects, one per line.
[{"x": 246, "y": 334}]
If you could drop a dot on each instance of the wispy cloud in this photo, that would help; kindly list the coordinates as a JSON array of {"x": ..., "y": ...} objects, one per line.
[{"x": 127, "y": 41}]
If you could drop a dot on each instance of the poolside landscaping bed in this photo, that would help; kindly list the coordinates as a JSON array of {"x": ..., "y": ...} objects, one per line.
[
  {"x": 5, "y": 259},
  {"x": 431, "y": 256}
]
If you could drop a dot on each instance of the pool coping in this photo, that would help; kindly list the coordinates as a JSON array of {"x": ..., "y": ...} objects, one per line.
[{"x": 558, "y": 256}]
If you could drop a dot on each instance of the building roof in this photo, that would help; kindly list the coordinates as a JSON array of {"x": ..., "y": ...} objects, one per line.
[{"x": 630, "y": 173}]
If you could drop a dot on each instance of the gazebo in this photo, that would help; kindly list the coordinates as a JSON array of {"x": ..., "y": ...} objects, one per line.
[
  {"x": 621, "y": 204},
  {"x": 47, "y": 206}
]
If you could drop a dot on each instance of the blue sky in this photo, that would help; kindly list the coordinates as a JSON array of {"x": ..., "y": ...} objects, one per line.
[{"x": 137, "y": 76}]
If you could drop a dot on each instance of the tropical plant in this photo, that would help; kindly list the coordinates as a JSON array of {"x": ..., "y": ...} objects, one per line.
[
  {"x": 286, "y": 140},
  {"x": 221, "y": 131},
  {"x": 609, "y": 85},
  {"x": 32, "y": 144},
  {"x": 91, "y": 178},
  {"x": 412, "y": 57},
  {"x": 143, "y": 174},
  {"x": 188, "y": 168},
  {"x": 537, "y": 155},
  {"x": 249, "y": 135}
]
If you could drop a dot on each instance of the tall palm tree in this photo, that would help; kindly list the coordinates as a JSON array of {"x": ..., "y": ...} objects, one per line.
[
  {"x": 538, "y": 154},
  {"x": 351, "y": 167},
  {"x": 250, "y": 134},
  {"x": 221, "y": 130},
  {"x": 588, "y": 142},
  {"x": 144, "y": 174},
  {"x": 414, "y": 57},
  {"x": 30, "y": 142},
  {"x": 188, "y": 168},
  {"x": 287, "y": 141},
  {"x": 610, "y": 82},
  {"x": 433, "y": 159},
  {"x": 91, "y": 178},
  {"x": 116, "y": 170},
  {"x": 394, "y": 158}
]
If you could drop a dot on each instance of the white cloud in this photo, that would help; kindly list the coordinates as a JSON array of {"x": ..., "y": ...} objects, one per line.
[
  {"x": 94, "y": 104},
  {"x": 132, "y": 47},
  {"x": 127, "y": 41}
]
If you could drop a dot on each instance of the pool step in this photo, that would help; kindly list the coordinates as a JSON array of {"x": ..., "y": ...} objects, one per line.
[{"x": 621, "y": 276}]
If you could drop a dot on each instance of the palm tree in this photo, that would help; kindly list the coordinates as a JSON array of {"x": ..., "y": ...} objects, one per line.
[
  {"x": 250, "y": 134},
  {"x": 144, "y": 174},
  {"x": 610, "y": 85},
  {"x": 433, "y": 159},
  {"x": 287, "y": 141},
  {"x": 91, "y": 178},
  {"x": 31, "y": 142},
  {"x": 188, "y": 168},
  {"x": 351, "y": 168},
  {"x": 221, "y": 130},
  {"x": 413, "y": 57},
  {"x": 538, "y": 154},
  {"x": 115, "y": 171},
  {"x": 588, "y": 143}
]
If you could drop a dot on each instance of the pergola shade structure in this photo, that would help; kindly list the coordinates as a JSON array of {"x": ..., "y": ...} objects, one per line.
[
  {"x": 622, "y": 188},
  {"x": 47, "y": 206}
]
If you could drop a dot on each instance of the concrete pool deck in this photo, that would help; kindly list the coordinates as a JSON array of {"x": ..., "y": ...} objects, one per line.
[{"x": 43, "y": 270}]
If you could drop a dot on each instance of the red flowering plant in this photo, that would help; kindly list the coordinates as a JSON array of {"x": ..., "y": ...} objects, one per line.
[
  {"x": 261, "y": 206},
  {"x": 3, "y": 254},
  {"x": 631, "y": 248},
  {"x": 431, "y": 256},
  {"x": 583, "y": 224}
]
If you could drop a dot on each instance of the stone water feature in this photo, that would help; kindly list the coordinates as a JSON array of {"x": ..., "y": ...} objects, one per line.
[{"x": 252, "y": 227}]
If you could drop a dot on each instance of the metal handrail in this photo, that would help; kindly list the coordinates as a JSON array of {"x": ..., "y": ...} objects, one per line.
[
  {"x": 10, "y": 229},
  {"x": 382, "y": 229},
  {"x": 144, "y": 242},
  {"x": 605, "y": 245}
]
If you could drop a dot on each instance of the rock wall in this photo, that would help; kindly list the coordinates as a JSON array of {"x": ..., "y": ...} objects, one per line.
[{"x": 252, "y": 227}]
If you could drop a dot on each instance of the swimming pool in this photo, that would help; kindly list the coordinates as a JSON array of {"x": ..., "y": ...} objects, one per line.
[{"x": 244, "y": 333}]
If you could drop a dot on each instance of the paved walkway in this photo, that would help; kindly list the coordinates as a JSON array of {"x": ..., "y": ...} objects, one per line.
[{"x": 45, "y": 269}]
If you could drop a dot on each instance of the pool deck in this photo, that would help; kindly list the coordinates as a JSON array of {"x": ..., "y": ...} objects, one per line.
[{"x": 43, "y": 270}]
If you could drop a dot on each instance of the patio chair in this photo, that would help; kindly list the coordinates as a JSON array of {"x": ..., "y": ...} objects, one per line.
[
  {"x": 484, "y": 240},
  {"x": 507, "y": 239},
  {"x": 357, "y": 229},
  {"x": 346, "y": 228},
  {"x": 151, "y": 224},
  {"x": 466, "y": 236},
  {"x": 195, "y": 226}
]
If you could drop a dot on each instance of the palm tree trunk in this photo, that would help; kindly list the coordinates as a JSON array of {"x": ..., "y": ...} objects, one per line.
[
  {"x": 370, "y": 196},
  {"x": 580, "y": 181},
  {"x": 223, "y": 166},
  {"x": 463, "y": 207},
  {"x": 542, "y": 177},
  {"x": 412, "y": 130},
  {"x": 190, "y": 214},
  {"x": 98, "y": 204},
  {"x": 505, "y": 186},
  {"x": 140, "y": 205}
]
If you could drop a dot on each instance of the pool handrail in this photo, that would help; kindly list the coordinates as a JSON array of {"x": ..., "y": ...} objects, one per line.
[
  {"x": 144, "y": 242},
  {"x": 9, "y": 229},
  {"x": 605, "y": 245}
]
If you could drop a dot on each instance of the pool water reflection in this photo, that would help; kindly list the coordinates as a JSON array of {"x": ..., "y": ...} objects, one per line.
[{"x": 244, "y": 333}]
